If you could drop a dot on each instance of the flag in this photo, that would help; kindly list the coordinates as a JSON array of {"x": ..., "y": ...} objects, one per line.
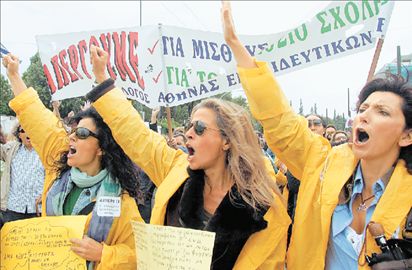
[{"x": 3, "y": 50}]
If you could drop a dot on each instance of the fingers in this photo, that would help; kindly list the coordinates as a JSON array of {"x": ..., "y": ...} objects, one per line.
[
  {"x": 87, "y": 248},
  {"x": 10, "y": 59},
  {"x": 98, "y": 59},
  {"x": 97, "y": 53},
  {"x": 79, "y": 246},
  {"x": 227, "y": 21}
]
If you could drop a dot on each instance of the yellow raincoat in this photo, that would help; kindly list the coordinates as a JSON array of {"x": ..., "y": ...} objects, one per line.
[
  {"x": 50, "y": 139},
  {"x": 323, "y": 172},
  {"x": 166, "y": 167}
]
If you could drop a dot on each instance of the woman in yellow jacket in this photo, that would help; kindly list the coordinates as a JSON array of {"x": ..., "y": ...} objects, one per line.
[
  {"x": 221, "y": 185},
  {"x": 344, "y": 188},
  {"x": 81, "y": 169}
]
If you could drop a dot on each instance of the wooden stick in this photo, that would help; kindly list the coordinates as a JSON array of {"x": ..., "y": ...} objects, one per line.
[
  {"x": 375, "y": 59},
  {"x": 169, "y": 122}
]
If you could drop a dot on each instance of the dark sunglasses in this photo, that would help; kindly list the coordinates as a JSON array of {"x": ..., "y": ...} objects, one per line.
[
  {"x": 83, "y": 133},
  {"x": 314, "y": 122},
  {"x": 199, "y": 127}
]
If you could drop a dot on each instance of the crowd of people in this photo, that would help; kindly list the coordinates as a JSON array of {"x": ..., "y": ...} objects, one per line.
[{"x": 300, "y": 195}]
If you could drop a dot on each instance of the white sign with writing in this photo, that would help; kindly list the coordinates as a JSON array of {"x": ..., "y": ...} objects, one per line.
[
  {"x": 165, "y": 247},
  {"x": 108, "y": 206}
]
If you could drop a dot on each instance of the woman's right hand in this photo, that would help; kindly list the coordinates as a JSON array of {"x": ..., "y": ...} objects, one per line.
[
  {"x": 98, "y": 59},
  {"x": 228, "y": 25},
  {"x": 242, "y": 56},
  {"x": 11, "y": 63}
]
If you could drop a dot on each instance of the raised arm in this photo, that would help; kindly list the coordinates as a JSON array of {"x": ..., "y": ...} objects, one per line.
[
  {"x": 146, "y": 148},
  {"x": 11, "y": 63},
  {"x": 46, "y": 132},
  {"x": 286, "y": 133},
  {"x": 242, "y": 56}
]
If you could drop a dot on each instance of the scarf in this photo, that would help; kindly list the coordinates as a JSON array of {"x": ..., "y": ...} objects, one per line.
[
  {"x": 100, "y": 185},
  {"x": 82, "y": 180}
]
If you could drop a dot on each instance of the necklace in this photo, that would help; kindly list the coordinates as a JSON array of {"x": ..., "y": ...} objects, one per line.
[{"x": 362, "y": 205}]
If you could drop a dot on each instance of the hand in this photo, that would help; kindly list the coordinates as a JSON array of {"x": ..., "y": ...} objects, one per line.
[
  {"x": 86, "y": 105},
  {"x": 70, "y": 114},
  {"x": 155, "y": 112},
  {"x": 172, "y": 143},
  {"x": 242, "y": 56},
  {"x": 98, "y": 58},
  {"x": 37, "y": 203},
  {"x": 56, "y": 104},
  {"x": 11, "y": 63},
  {"x": 87, "y": 248},
  {"x": 228, "y": 25}
]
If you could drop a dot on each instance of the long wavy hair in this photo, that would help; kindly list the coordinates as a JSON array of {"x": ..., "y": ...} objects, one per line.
[
  {"x": 117, "y": 163},
  {"x": 244, "y": 160}
]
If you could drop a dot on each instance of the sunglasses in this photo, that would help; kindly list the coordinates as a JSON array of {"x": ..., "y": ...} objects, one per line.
[
  {"x": 83, "y": 133},
  {"x": 314, "y": 122},
  {"x": 199, "y": 127}
]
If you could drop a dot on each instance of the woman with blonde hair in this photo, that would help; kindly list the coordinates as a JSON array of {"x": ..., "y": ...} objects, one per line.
[
  {"x": 345, "y": 188},
  {"x": 222, "y": 185}
]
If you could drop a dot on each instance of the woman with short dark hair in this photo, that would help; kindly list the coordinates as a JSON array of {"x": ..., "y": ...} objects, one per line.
[{"x": 344, "y": 188}]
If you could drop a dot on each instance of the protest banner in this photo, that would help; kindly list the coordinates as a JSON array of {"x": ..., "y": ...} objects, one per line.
[
  {"x": 165, "y": 247},
  {"x": 169, "y": 66},
  {"x": 41, "y": 243}
]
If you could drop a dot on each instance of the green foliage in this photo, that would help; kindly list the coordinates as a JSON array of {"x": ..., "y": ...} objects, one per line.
[
  {"x": 339, "y": 122},
  {"x": 5, "y": 96},
  {"x": 34, "y": 77}
]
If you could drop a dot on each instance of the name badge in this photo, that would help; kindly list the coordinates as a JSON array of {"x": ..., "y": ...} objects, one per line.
[{"x": 108, "y": 206}]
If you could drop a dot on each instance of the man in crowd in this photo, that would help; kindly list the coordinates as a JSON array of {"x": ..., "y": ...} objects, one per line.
[
  {"x": 22, "y": 179},
  {"x": 329, "y": 131}
]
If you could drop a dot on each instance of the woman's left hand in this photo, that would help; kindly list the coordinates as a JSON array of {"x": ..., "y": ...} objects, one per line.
[
  {"x": 87, "y": 248},
  {"x": 98, "y": 59}
]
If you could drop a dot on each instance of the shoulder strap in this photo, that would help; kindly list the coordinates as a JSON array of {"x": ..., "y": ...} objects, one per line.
[
  {"x": 407, "y": 232},
  {"x": 88, "y": 209},
  {"x": 408, "y": 225}
]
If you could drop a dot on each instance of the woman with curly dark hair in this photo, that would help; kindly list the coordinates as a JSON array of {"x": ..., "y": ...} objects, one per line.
[{"x": 84, "y": 171}]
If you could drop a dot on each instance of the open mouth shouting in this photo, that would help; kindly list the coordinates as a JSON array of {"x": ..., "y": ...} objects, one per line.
[
  {"x": 361, "y": 136},
  {"x": 72, "y": 151},
  {"x": 190, "y": 151}
]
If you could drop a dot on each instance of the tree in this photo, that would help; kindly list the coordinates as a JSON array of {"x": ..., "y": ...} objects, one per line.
[
  {"x": 300, "y": 107},
  {"x": 34, "y": 77},
  {"x": 340, "y": 122},
  {"x": 5, "y": 96}
]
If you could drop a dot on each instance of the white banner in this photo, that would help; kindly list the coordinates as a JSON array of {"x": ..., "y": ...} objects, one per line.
[{"x": 169, "y": 66}]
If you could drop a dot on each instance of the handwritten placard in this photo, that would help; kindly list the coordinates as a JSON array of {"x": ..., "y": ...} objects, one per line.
[
  {"x": 41, "y": 243},
  {"x": 165, "y": 247}
]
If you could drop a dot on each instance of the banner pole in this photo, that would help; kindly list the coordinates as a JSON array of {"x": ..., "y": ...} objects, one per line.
[
  {"x": 169, "y": 122},
  {"x": 168, "y": 113},
  {"x": 375, "y": 59}
]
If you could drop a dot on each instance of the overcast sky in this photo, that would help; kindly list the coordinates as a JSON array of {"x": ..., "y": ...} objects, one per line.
[{"x": 325, "y": 84}]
